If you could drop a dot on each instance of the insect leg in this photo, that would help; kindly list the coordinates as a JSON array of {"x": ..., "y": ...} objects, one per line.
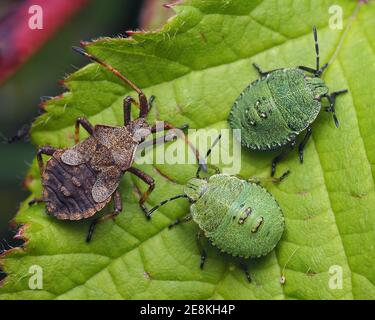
[
  {"x": 259, "y": 180},
  {"x": 127, "y": 109},
  {"x": 149, "y": 213},
  {"x": 245, "y": 269},
  {"x": 178, "y": 221},
  {"x": 117, "y": 209},
  {"x": 47, "y": 150},
  {"x": 280, "y": 157},
  {"x": 336, "y": 93},
  {"x": 143, "y": 105},
  {"x": 35, "y": 200},
  {"x": 147, "y": 179},
  {"x": 151, "y": 102},
  {"x": 259, "y": 70},
  {"x": 302, "y": 145},
  {"x": 202, "y": 252},
  {"x": 332, "y": 101},
  {"x": 308, "y": 69},
  {"x": 282, "y": 177},
  {"x": 85, "y": 124},
  {"x": 317, "y": 73}
]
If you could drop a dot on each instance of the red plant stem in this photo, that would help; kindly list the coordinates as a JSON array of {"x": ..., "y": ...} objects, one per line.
[{"x": 18, "y": 41}]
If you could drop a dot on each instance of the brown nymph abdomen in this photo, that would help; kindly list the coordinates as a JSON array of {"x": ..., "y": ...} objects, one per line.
[{"x": 67, "y": 189}]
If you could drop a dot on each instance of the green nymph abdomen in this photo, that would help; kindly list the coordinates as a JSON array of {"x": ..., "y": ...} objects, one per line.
[
  {"x": 273, "y": 110},
  {"x": 238, "y": 217}
]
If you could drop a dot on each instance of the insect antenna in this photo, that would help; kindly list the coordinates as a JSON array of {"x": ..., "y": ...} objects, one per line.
[
  {"x": 163, "y": 203},
  {"x": 316, "y": 47},
  {"x": 318, "y": 70},
  {"x": 208, "y": 154},
  {"x": 108, "y": 67}
]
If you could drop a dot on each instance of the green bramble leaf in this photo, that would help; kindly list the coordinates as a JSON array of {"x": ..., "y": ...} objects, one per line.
[{"x": 196, "y": 66}]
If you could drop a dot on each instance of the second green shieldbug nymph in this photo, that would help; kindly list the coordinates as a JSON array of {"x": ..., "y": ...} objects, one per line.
[
  {"x": 237, "y": 216},
  {"x": 273, "y": 110}
]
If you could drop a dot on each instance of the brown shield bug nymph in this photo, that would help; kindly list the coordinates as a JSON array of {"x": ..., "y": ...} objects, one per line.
[{"x": 81, "y": 180}]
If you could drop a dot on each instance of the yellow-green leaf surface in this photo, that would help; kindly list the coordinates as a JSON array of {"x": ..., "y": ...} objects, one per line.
[{"x": 196, "y": 66}]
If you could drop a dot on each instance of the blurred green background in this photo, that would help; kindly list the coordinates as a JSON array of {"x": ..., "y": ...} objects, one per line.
[{"x": 21, "y": 94}]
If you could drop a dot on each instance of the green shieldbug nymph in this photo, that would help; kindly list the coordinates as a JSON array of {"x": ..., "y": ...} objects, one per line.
[
  {"x": 237, "y": 216},
  {"x": 273, "y": 110}
]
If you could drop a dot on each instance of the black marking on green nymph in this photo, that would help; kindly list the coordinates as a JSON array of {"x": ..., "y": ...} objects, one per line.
[
  {"x": 256, "y": 228},
  {"x": 246, "y": 214},
  {"x": 192, "y": 186}
]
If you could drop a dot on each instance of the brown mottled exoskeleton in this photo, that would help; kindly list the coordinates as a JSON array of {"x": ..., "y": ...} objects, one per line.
[{"x": 81, "y": 180}]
